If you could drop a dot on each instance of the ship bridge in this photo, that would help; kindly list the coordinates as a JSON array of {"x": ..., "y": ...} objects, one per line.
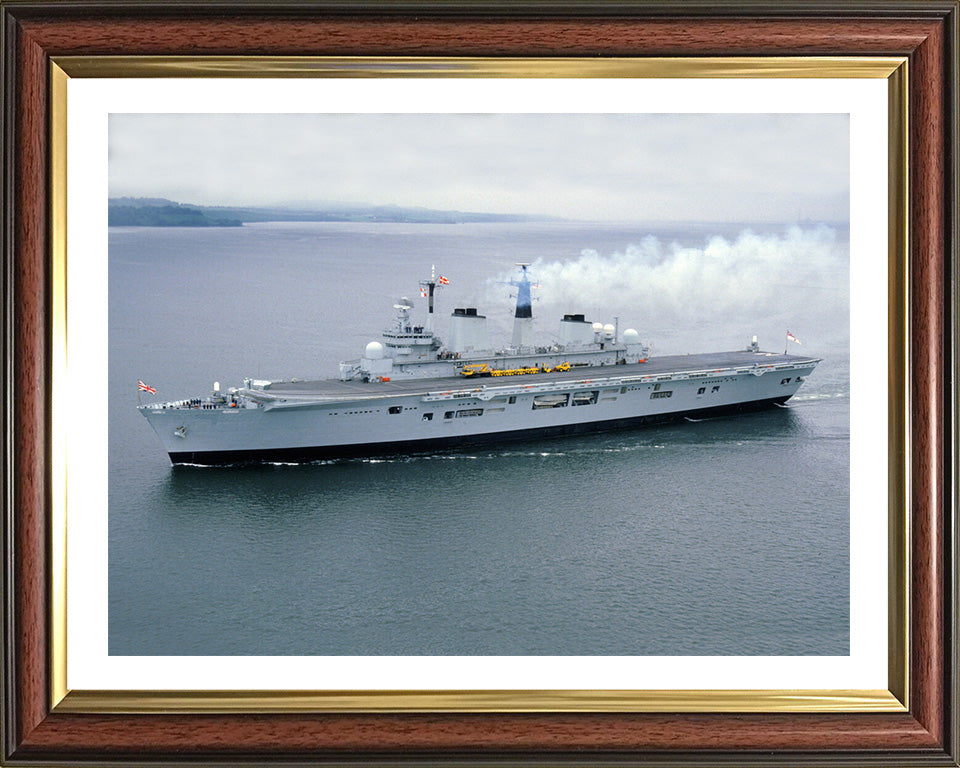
[{"x": 403, "y": 339}]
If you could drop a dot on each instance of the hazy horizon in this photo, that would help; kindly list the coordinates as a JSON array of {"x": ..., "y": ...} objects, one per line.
[
  {"x": 579, "y": 167},
  {"x": 334, "y": 205}
]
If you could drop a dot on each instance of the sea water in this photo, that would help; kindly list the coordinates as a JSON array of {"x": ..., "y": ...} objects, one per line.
[{"x": 724, "y": 536}]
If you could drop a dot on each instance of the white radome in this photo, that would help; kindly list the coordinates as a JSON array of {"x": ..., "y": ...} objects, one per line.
[
  {"x": 373, "y": 351},
  {"x": 609, "y": 330},
  {"x": 630, "y": 336}
]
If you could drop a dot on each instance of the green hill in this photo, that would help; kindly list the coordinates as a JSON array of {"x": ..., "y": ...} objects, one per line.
[
  {"x": 158, "y": 212},
  {"x": 165, "y": 215}
]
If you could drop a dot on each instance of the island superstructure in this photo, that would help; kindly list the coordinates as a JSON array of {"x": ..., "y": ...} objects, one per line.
[{"x": 410, "y": 392}]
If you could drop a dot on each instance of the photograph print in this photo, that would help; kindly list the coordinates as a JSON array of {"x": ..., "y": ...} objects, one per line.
[{"x": 479, "y": 384}]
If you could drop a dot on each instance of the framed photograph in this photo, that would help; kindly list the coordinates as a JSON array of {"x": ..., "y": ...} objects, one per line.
[{"x": 490, "y": 255}]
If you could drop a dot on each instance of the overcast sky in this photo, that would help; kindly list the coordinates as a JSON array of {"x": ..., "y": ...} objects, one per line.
[{"x": 592, "y": 167}]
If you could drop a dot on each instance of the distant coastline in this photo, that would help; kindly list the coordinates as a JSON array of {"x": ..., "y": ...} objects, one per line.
[
  {"x": 160, "y": 212},
  {"x": 165, "y": 214}
]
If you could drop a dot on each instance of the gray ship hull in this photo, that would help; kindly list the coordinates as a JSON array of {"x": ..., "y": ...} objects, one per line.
[
  {"x": 300, "y": 421},
  {"x": 353, "y": 450}
]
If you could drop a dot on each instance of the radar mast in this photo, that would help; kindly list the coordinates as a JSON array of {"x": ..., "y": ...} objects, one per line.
[{"x": 523, "y": 316}]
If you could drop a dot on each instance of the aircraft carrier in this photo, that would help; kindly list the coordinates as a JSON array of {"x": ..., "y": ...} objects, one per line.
[{"x": 410, "y": 392}]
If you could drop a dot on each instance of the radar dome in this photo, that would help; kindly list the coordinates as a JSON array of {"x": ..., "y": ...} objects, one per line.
[
  {"x": 608, "y": 330},
  {"x": 373, "y": 351},
  {"x": 598, "y": 327},
  {"x": 630, "y": 336}
]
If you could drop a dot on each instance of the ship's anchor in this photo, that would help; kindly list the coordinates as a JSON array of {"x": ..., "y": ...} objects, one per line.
[{"x": 180, "y": 431}]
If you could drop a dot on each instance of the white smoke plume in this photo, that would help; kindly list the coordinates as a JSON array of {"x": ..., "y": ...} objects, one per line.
[{"x": 721, "y": 292}]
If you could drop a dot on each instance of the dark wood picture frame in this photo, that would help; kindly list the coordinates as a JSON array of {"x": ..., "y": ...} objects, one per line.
[{"x": 925, "y": 32}]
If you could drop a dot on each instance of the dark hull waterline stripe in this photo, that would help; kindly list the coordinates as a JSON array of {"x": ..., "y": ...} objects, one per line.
[{"x": 314, "y": 453}]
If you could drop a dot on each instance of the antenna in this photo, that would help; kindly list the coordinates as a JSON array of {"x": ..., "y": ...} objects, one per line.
[{"x": 430, "y": 286}]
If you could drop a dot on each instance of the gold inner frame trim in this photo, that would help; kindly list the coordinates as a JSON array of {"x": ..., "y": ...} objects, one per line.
[
  {"x": 58, "y": 366},
  {"x": 893, "y": 69},
  {"x": 898, "y": 383},
  {"x": 427, "y": 66},
  {"x": 225, "y": 702}
]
